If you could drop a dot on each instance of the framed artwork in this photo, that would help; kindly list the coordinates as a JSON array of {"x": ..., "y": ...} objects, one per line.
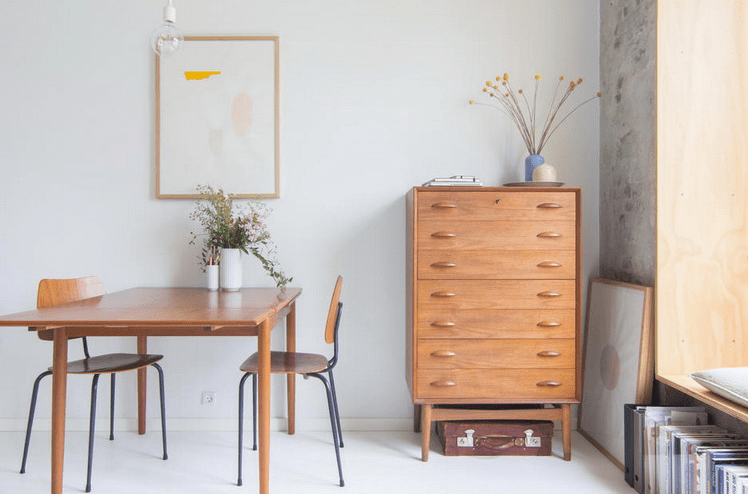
[
  {"x": 618, "y": 361},
  {"x": 217, "y": 117}
]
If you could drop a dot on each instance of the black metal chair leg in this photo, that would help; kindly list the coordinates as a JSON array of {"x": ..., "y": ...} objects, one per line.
[
  {"x": 254, "y": 412},
  {"x": 163, "y": 406},
  {"x": 111, "y": 407},
  {"x": 32, "y": 409},
  {"x": 241, "y": 428},
  {"x": 337, "y": 411},
  {"x": 333, "y": 424},
  {"x": 91, "y": 426}
]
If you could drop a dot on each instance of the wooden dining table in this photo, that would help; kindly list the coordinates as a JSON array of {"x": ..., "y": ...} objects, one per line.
[{"x": 144, "y": 312}]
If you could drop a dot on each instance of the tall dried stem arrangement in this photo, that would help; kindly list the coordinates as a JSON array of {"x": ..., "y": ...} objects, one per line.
[{"x": 524, "y": 114}]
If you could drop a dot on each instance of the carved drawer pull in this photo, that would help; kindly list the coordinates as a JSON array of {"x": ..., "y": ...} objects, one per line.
[
  {"x": 549, "y": 264},
  {"x": 444, "y": 205},
  {"x": 548, "y": 235},
  {"x": 443, "y": 264},
  {"x": 548, "y": 324},
  {"x": 443, "y": 384},
  {"x": 443, "y": 324},
  {"x": 548, "y": 353},
  {"x": 549, "y": 294},
  {"x": 548, "y": 384},
  {"x": 443, "y": 294},
  {"x": 443, "y": 354},
  {"x": 549, "y": 205},
  {"x": 443, "y": 235}
]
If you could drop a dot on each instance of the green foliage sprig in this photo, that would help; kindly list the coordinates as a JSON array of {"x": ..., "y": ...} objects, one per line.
[{"x": 230, "y": 226}]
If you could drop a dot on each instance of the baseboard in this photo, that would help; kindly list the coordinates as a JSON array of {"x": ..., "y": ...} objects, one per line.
[{"x": 219, "y": 424}]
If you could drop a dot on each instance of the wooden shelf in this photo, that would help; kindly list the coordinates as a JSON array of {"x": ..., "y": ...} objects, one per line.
[{"x": 690, "y": 387}]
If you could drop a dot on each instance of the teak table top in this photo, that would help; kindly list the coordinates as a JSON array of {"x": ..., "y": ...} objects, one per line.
[{"x": 163, "y": 307}]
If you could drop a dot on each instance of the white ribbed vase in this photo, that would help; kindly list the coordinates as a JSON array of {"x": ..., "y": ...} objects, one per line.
[{"x": 231, "y": 269}]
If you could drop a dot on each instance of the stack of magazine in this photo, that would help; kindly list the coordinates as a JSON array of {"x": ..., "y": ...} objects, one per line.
[
  {"x": 672, "y": 450},
  {"x": 454, "y": 181}
]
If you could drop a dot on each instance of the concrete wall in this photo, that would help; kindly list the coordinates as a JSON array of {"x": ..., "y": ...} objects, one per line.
[{"x": 627, "y": 140}]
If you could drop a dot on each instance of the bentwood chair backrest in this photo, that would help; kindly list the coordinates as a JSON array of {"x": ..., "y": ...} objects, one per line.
[
  {"x": 332, "y": 314},
  {"x": 57, "y": 292}
]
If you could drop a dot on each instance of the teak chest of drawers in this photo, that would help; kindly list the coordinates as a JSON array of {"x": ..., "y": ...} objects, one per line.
[{"x": 493, "y": 304}]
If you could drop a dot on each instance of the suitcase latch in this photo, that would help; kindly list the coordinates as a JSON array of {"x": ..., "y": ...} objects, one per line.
[{"x": 466, "y": 442}]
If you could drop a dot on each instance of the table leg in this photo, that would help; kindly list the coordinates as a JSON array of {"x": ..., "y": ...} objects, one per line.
[
  {"x": 263, "y": 388},
  {"x": 566, "y": 427},
  {"x": 291, "y": 378},
  {"x": 59, "y": 394},
  {"x": 142, "y": 385}
]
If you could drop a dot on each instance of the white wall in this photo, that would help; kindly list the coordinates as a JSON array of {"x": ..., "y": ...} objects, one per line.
[{"x": 373, "y": 101}]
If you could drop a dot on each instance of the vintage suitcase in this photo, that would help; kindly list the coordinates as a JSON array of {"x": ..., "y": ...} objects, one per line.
[{"x": 493, "y": 438}]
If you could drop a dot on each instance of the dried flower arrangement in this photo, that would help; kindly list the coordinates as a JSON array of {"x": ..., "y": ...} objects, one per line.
[
  {"x": 244, "y": 228},
  {"x": 516, "y": 106}
]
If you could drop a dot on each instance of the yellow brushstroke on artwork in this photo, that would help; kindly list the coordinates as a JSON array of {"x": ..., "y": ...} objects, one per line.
[{"x": 197, "y": 75}]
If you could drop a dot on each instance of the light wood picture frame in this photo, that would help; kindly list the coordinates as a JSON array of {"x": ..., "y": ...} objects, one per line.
[
  {"x": 618, "y": 361},
  {"x": 217, "y": 117}
]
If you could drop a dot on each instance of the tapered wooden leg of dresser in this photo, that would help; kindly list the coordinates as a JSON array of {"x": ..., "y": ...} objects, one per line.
[
  {"x": 416, "y": 418},
  {"x": 566, "y": 426},
  {"x": 425, "y": 432}
]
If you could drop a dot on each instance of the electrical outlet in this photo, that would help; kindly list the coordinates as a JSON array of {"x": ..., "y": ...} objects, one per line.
[{"x": 208, "y": 398}]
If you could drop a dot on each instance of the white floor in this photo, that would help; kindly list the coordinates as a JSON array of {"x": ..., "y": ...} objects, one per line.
[{"x": 373, "y": 462}]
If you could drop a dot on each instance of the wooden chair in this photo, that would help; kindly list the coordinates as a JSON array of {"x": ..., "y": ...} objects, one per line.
[
  {"x": 57, "y": 292},
  {"x": 306, "y": 364}
]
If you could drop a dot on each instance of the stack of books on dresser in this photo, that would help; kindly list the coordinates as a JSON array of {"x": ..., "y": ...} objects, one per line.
[
  {"x": 673, "y": 450},
  {"x": 454, "y": 181}
]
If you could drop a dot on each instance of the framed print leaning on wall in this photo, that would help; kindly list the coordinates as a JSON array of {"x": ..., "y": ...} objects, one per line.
[
  {"x": 217, "y": 117},
  {"x": 618, "y": 361}
]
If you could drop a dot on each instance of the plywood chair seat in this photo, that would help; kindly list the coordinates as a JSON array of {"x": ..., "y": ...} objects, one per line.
[
  {"x": 111, "y": 363},
  {"x": 288, "y": 363}
]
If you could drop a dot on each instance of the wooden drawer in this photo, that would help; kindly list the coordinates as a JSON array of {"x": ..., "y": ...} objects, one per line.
[
  {"x": 445, "y": 323},
  {"x": 496, "y": 205},
  {"x": 492, "y": 354},
  {"x": 496, "y": 294},
  {"x": 496, "y": 264},
  {"x": 497, "y": 235},
  {"x": 496, "y": 384}
]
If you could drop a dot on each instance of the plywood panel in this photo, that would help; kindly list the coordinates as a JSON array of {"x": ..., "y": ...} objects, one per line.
[{"x": 702, "y": 186}]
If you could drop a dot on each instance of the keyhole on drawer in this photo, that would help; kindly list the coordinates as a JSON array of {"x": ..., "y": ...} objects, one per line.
[{"x": 497, "y": 201}]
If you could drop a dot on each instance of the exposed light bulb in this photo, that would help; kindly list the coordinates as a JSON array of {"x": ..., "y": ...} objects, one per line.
[{"x": 166, "y": 39}]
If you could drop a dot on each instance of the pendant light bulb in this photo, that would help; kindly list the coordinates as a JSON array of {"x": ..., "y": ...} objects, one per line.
[{"x": 166, "y": 39}]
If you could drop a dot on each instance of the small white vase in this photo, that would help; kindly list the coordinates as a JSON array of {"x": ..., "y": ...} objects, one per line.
[
  {"x": 231, "y": 269},
  {"x": 212, "y": 275}
]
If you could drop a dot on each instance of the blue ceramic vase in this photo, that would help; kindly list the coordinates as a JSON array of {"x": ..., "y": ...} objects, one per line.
[{"x": 531, "y": 162}]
